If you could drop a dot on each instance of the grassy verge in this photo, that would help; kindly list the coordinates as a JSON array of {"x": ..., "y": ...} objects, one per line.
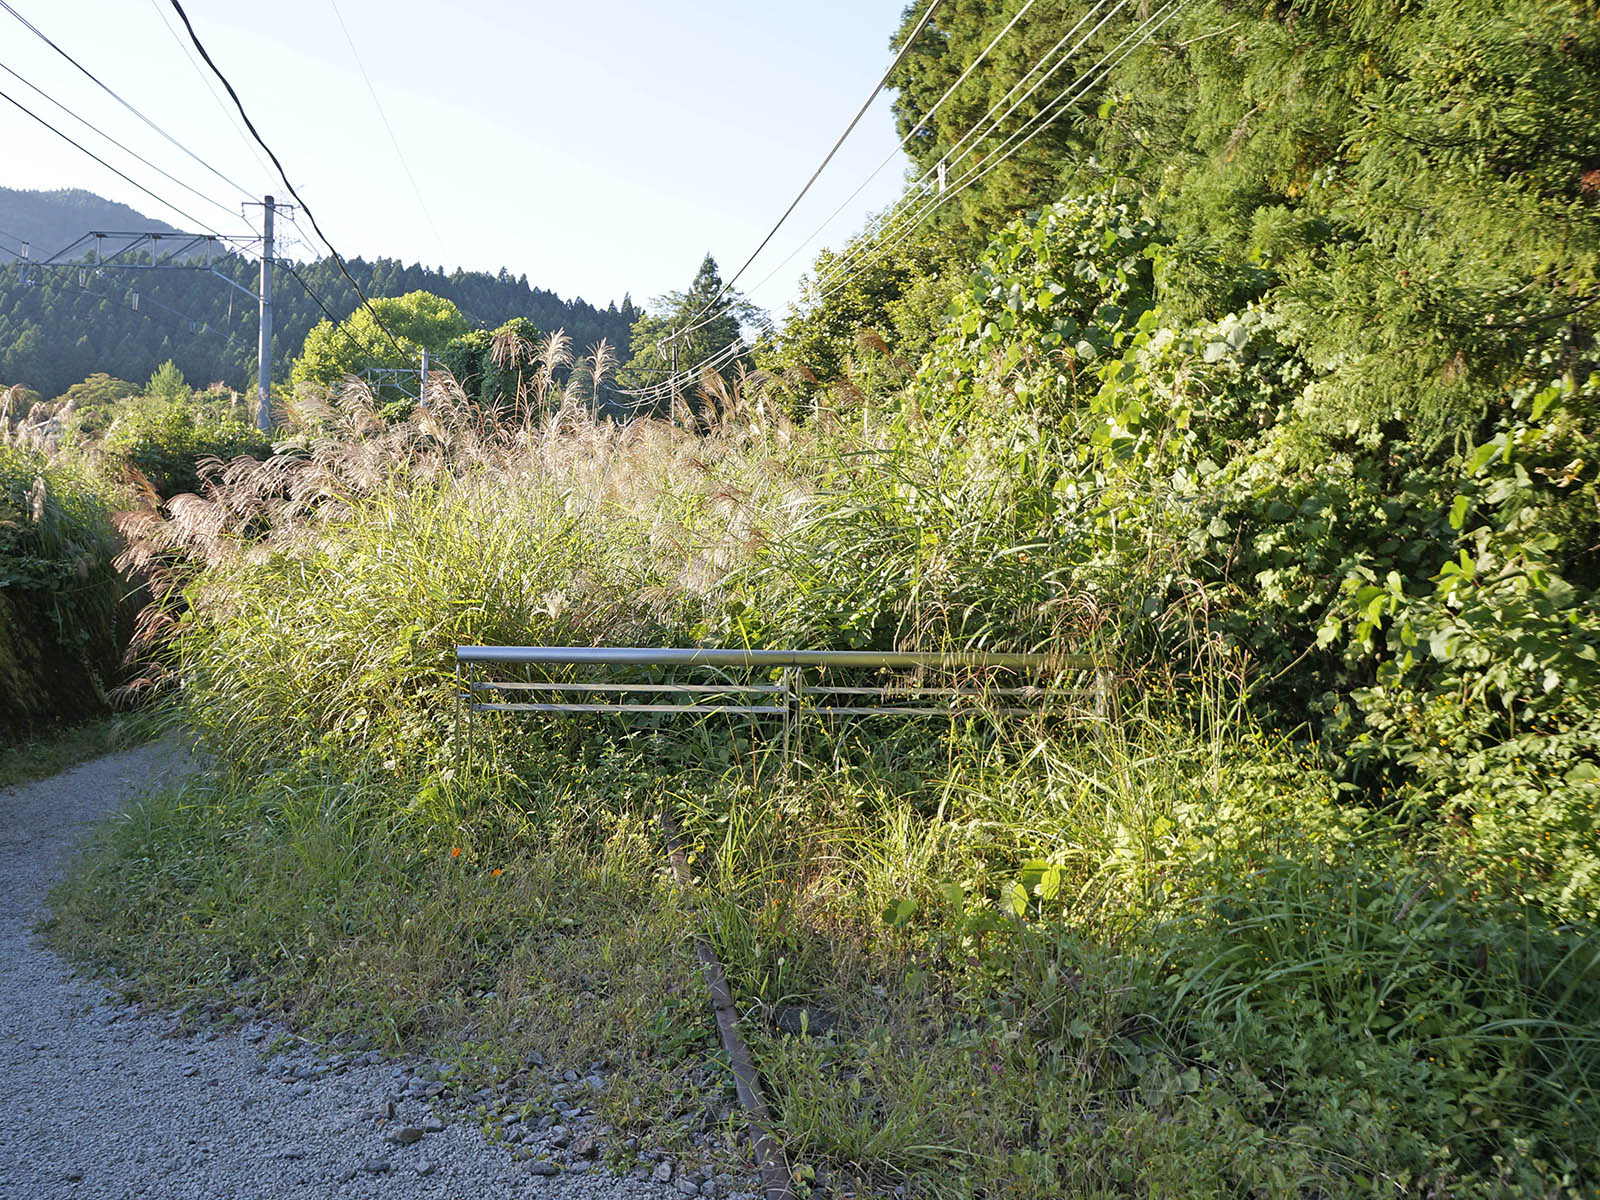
[
  {"x": 1122, "y": 962},
  {"x": 530, "y": 935},
  {"x": 1132, "y": 962}
]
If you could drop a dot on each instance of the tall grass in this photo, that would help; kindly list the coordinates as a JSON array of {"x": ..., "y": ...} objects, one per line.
[
  {"x": 1159, "y": 953},
  {"x": 63, "y": 617},
  {"x": 320, "y": 593}
]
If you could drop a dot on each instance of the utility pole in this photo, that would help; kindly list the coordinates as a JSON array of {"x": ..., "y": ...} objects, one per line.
[
  {"x": 422, "y": 380},
  {"x": 264, "y": 347},
  {"x": 86, "y": 254},
  {"x": 673, "y": 338}
]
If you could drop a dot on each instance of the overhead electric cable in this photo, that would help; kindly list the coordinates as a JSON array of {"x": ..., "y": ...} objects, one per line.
[
  {"x": 38, "y": 91},
  {"x": 93, "y": 78},
  {"x": 793, "y": 204},
  {"x": 1041, "y": 121},
  {"x": 991, "y": 116},
  {"x": 908, "y": 211},
  {"x": 337, "y": 324},
  {"x": 994, "y": 117},
  {"x": 306, "y": 208},
  {"x": 384, "y": 117},
  {"x": 984, "y": 166},
  {"x": 1073, "y": 92},
  {"x": 995, "y": 121},
  {"x": 127, "y": 179},
  {"x": 144, "y": 299},
  {"x": 666, "y": 388},
  {"x": 904, "y": 142},
  {"x": 209, "y": 83}
]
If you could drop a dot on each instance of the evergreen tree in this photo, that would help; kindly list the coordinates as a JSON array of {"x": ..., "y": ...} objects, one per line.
[{"x": 688, "y": 328}]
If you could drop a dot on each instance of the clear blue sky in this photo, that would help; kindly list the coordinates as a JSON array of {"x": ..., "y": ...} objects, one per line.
[{"x": 598, "y": 147}]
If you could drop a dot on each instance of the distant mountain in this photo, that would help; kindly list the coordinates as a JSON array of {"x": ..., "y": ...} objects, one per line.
[
  {"x": 57, "y": 326},
  {"x": 51, "y": 221}
]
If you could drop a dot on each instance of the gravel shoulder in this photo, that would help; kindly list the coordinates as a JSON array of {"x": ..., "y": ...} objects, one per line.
[{"x": 109, "y": 1101}]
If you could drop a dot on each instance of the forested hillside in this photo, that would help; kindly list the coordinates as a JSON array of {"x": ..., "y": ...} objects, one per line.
[
  {"x": 50, "y": 221},
  {"x": 65, "y": 324}
]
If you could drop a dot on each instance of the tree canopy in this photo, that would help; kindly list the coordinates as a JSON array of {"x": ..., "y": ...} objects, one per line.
[
  {"x": 61, "y": 324},
  {"x": 703, "y": 323},
  {"x": 391, "y": 333}
]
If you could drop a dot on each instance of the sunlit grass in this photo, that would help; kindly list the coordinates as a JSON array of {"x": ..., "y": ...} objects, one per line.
[{"x": 1149, "y": 951}]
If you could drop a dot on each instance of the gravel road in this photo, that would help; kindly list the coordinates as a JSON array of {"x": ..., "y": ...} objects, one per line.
[{"x": 110, "y": 1102}]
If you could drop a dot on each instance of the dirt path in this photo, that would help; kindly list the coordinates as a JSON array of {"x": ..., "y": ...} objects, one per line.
[{"x": 109, "y": 1102}]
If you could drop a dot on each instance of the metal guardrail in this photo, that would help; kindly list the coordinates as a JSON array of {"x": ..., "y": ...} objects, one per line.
[{"x": 792, "y": 695}]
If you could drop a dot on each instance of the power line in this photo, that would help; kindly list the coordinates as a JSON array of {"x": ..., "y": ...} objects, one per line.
[
  {"x": 90, "y": 75},
  {"x": 990, "y": 116},
  {"x": 904, "y": 142},
  {"x": 994, "y": 117},
  {"x": 667, "y": 388},
  {"x": 847, "y": 263},
  {"x": 914, "y": 221},
  {"x": 317, "y": 300},
  {"x": 142, "y": 299},
  {"x": 793, "y": 204},
  {"x": 37, "y": 90},
  {"x": 1060, "y": 105},
  {"x": 306, "y": 208},
  {"x": 384, "y": 117},
  {"x": 66, "y": 138},
  {"x": 849, "y": 270},
  {"x": 210, "y": 84}
]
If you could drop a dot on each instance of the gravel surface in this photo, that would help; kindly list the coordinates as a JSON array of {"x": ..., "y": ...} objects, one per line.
[{"x": 109, "y": 1101}]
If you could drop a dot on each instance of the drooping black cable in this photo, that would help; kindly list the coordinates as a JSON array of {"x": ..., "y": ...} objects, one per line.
[
  {"x": 283, "y": 175},
  {"x": 284, "y": 264}
]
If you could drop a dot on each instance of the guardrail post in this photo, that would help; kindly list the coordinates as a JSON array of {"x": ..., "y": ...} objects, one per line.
[
  {"x": 790, "y": 681},
  {"x": 461, "y": 761}
]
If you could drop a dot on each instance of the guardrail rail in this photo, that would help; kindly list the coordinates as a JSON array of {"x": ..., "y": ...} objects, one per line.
[{"x": 747, "y": 686}]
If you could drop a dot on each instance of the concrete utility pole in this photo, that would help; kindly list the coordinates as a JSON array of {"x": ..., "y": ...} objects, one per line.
[
  {"x": 264, "y": 347},
  {"x": 422, "y": 381},
  {"x": 672, "y": 338}
]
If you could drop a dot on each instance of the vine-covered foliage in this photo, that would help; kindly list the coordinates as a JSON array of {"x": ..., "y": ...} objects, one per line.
[{"x": 1425, "y": 611}]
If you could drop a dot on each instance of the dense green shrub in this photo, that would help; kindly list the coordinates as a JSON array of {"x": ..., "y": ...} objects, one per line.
[
  {"x": 167, "y": 441},
  {"x": 63, "y": 617}
]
